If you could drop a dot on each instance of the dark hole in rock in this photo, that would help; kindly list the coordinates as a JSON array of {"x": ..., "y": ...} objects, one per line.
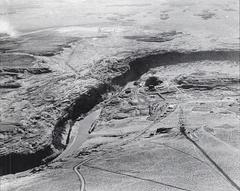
[
  {"x": 153, "y": 81},
  {"x": 136, "y": 83},
  {"x": 128, "y": 91},
  {"x": 163, "y": 130}
]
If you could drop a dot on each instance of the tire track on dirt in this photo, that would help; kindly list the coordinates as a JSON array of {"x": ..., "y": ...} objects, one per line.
[
  {"x": 228, "y": 178},
  {"x": 136, "y": 177}
]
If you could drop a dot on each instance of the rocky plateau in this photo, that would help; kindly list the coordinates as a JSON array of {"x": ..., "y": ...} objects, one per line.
[{"x": 134, "y": 95}]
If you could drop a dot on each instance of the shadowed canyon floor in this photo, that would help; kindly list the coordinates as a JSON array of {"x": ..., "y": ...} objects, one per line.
[{"x": 105, "y": 98}]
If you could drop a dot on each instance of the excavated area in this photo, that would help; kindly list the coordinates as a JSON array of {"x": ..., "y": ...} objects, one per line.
[{"x": 121, "y": 72}]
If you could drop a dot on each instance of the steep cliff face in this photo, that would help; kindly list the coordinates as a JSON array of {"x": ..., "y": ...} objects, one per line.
[{"x": 51, "y": 108}]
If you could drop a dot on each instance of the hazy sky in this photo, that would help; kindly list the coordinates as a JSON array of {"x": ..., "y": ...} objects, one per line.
[
  {"x": 17, "y": 16},
  {"x": 25, "y": 15}
]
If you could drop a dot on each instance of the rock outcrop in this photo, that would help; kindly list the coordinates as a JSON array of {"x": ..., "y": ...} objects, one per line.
[{"x": 206, "y": 81}]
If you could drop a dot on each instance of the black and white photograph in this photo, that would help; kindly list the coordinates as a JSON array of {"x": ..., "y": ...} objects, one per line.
[{"x": 119, "y": 95}]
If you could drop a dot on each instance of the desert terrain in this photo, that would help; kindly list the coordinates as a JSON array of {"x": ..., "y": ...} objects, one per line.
[{"x": 119, "y": 95}]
